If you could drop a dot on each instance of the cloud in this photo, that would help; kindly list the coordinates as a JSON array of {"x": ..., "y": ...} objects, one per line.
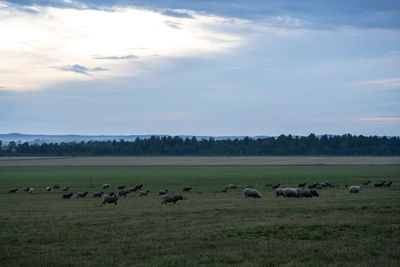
[
  {"x": 178, "y": 14},
  {"x": 383, "y": 119},
  {"x": 388, "y": 83},
  {"x": 54, "y": 36},
  {"x": 118, "y": 57},
  {"x": 79, "y": 69},
  {"x": 173, "y": 24}
]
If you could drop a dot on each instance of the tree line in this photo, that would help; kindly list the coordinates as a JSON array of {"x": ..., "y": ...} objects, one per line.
[{"x": 349, "y": 145}]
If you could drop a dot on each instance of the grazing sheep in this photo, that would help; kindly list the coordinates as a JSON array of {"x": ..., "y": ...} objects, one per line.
[
  {"x": 97, "y": 194},
  {"x": 367, "y": 182},
  {"x": 312, "y": 186},
  {"x": 224, "y": 190},
  {"x": 163, "y": 192},
  {"x": 354, "y": 189},
  {"x": 314, "y": 193},
  {"x": 81, "y": 194},
  {"x": 66, "y": 195},
  {"x": 171, "y": 198},
  {"x": 66, "y": 188},
  {"x": 304, "y": 192},
  {"x": 110, "y": 198},
  {"x": 48, "y": 188},
  {"x": 248, "y": 192},
  {"x": 388, "y": 183},
  {"x": 133, "y": 189},
  {"x": 106, "y": 186},
  {"x": 187, "y": 189},
  {"x": 279, "y": 192},
  {"x": 379, "y": 184},
  {"x": 120, "y": 187},
  {"x": 144, "y": 193},
  {"x": 232, "y": 186},
  {"x": 275, "y": 186},
  {"x": 302, "y": 185},
  {"x": 56, "y": 186},
  {"x": 13, "y": 190},
  {"x": 344, "y": 186},
  {"x": 290, "y": 192},
  {"x": 26, "y": 189},
  {"x": 123, "y": 193},
  {"x": 32, "y": 190},
  {"x": 318, "y": 186}
]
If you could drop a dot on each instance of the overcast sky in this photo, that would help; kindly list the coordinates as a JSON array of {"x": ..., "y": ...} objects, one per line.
[{"x": 200, "y": 67}]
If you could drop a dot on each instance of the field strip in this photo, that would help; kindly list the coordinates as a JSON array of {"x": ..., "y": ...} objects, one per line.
[{"x": 194, "y": 161}]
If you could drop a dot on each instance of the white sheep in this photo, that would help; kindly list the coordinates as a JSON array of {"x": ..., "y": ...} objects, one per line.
[
  {"x": 171, "y": 198},
  {"x": 354, "y": 189},
  {"x": 32, "y": 190},
  {"x": 304, "y": 192},
  {"x": 110, "y": 198},
  {"x": 48, "y": 188},
  {"x": 279, "y": 192},
  {"x": 248, "y": 192},
  {"x": 290, "y": 192}
]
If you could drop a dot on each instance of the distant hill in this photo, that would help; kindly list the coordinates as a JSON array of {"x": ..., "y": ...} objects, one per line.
[{"x": 41, "y": 138}]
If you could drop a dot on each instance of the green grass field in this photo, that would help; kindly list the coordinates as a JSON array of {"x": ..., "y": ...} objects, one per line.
[{"x": 206, "y": 228}]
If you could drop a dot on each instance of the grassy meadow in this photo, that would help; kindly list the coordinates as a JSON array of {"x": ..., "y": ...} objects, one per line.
[{"x": 206, "y": 228}]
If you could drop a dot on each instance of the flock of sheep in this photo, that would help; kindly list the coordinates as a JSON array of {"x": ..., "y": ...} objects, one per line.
[
  {"x": 291, "y": 192},
  {"x": 111, "y": 197}
]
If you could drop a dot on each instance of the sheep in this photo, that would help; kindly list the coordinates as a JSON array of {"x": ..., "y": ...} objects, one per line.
[
  {"x": 144, "y": 193},
  {"x": 232, "y": 186},
  {"x": 354, "y": 189},
  {"x": 123, "y": 193},
  {"x": 66, "y": 188},
  {"x": 97, "y": 194},
  {"x": 344, "y": 186},
  {"x": 106, "y": 186},
  {"x": 66, "y": 195},
  {"x": 133, "y": 189},
  {"x": 48, "y": 188},
  {"x": 314, "y": 193},
  {"x": 81, "y": 194},
  {"x": 275, "y": 186},
  {"x": 171, "y": 198},
  {"x": 163, "y": 192},
  {"x": 388, "y": 183},
  {"x": 249, "y": 192},
  {"x": 13, "y": 190},
  {"x": 32, "y": 190},
  {"x": 120, "y": 187},
  {"x": 279, "y": 192},
  {"x": 290, "y": 192},
  {"x": 109, "y": 198},
  {"x": 187, "y": 189},
  {"x": 379, "y": 184},
  {"x": 318, "y": 186},
  {"x": 302, "y": 185},
  {"x": 26, "y": 189},
  {"x": 56, "y": 186},
  {"x": 224, "y": 190},
  {"x": 312, "y": 186},
  {"x": 366, "y": 182},
  {"x": 304, "y": 192}
]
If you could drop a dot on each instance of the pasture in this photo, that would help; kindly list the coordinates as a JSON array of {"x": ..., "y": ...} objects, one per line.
[{"x": 207, "y": 227}]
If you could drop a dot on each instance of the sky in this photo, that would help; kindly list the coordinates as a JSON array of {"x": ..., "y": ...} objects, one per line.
[{"x": 200, "y": 67}]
